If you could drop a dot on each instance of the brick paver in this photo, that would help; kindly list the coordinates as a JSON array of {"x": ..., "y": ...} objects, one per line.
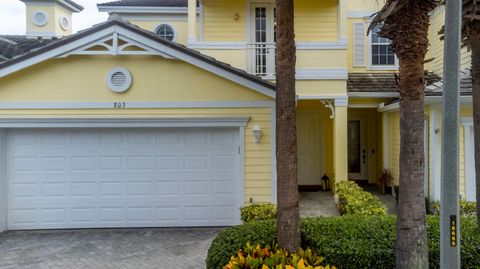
[{"x": 106, "y": 248}]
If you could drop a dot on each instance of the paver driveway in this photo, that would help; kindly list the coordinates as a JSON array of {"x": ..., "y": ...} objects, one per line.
[{"x": 116, "y": 248}]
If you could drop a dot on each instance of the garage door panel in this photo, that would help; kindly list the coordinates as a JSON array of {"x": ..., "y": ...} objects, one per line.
[{"x": 95, "y": 178}]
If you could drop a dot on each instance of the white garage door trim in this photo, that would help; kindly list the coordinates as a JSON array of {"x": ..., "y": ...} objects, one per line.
[{"x": 239, "y": 122}]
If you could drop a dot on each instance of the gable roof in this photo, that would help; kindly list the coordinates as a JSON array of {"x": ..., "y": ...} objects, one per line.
[
  {"x": 146, "y": 3},
  {"x": 117, "y": 26},
  {"x": 14, "y": 45}
]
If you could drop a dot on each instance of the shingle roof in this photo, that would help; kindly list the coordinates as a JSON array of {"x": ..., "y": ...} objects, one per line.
[
  {"x": 436, "y": 88},
  {"x": 14, "y": 45},
  {"x": 147, "y": 3},
  {"x": 379, "y": 82}
]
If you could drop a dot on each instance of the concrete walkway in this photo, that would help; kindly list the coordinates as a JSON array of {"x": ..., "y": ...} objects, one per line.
[
  {"x": 387, "y": 199},
  {"x": 317, "y": 204},
  {"x": 106, "y": 248}
]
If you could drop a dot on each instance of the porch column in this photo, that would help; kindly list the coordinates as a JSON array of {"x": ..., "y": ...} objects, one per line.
[
  {"x": 192, "y": 21},
  {"x": 340, "y": 140}
]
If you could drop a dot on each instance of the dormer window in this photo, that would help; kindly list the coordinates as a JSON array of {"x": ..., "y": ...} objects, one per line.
[
  {"x": 165, "y": 31},
  {"x": 382, "y": 54}
]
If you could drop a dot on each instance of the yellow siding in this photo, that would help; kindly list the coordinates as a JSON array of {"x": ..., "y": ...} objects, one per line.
[
  {"x": 236, "y": 58},
  {"x": 326, "y": 87},
  {"x": 321, "y": 59},
  {"x": 219, "y": 23},
  {"x": 394, "y": 133},
  {"x": 155, "y": 79},
  {"x": 316, "y": 20},
  {"x": 436, "y": 48},
  {"x": 462, "y": 161}
]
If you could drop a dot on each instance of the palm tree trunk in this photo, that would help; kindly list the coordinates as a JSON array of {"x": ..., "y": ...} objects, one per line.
[
  {"x": 288, "y": 230},
  {"x": 411, "y": 249},
  {"x": 409, "y": 33},
  {"x": 474, "y": 42}
]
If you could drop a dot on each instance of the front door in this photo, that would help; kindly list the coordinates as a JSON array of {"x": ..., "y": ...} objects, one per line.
[
  {"x": 262, "y": 40},
  {"x": 357, "y": 148}
]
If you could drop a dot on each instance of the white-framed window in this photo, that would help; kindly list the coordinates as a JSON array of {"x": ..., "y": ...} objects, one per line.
[
  {"x": 39, "y": 18},
  {"x": 166, "y": 31},
  {"x": 381, "y": 55}
]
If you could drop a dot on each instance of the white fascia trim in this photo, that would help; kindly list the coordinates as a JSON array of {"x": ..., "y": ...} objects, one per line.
[
  {"x": 339, "y": 45},
  {"x": 360, "y": 14},
  {"x": 373, "y": 94},
  {"x": 123, "y": 122},
  {"x": 466, "y": 100},
  {"x": 150, "y": 10},
  {"x": 134, "y": 105},
  {"x": 388, "y": 108},
  {"x": 56, "y": 52},
  {"x": 217, "y": 45},
  {"x": 322, "y": 74}
]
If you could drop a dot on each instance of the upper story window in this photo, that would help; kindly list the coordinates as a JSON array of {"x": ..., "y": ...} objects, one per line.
[
  {"x": 381, "y": 51},
  {"x": 166, "y": 31}
]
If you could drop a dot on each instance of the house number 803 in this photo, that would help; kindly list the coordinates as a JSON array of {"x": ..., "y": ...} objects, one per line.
[{"x": 119, "y": 105}]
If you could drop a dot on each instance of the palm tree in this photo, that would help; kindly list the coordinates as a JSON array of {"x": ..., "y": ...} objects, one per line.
[
  {"x": 471, "y": 38},
  {"x": 406, "y": 23},
  {"x": 288, "y": 216}
]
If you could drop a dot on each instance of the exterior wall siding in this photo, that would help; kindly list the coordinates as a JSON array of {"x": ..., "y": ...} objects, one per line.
[{"x": 155, "y": 79}]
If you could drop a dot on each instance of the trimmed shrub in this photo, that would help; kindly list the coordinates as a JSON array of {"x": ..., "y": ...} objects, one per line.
[
  {"x": 347, "y": 242},
  {"x": 258, "y": 212},
  {"x": 257, "y": 257},
  {"x": 352, "y": 200},
  {"x": 229, "y": 241},
  {"x": 467, "y": 209}
]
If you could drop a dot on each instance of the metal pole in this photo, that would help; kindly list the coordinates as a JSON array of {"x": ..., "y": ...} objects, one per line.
[{"x": 449, "y": 199}]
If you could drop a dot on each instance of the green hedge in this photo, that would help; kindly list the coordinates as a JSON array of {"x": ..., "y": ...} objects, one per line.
[
  {"x": 467, "y": 209},
  {"x": 258, "y": 212},
  {"x": 352, "y": 200},
  {"x": 348, "y": 242}
]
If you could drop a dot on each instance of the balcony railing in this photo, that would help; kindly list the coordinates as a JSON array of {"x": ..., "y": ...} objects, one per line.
[{"x": 261, "y": 59}]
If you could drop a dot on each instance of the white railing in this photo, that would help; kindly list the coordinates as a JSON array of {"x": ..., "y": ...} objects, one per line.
[{"x": 261, "y": 59}]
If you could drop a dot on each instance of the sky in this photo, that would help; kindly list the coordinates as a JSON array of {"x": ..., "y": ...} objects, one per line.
[{"x": 12, "y": 16}]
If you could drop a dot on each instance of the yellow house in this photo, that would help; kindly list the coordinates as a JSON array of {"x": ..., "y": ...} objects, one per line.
[{"x": 165, "y": 114}]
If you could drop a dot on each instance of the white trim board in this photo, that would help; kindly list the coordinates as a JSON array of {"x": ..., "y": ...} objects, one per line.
[
  {"x": 373, "y": 94},
  {"x": 119, "y": 105},
  {"x": 123, "y": 122},
  {"x": 321, "y": 74},
  {"x": 360, "y": 14}
]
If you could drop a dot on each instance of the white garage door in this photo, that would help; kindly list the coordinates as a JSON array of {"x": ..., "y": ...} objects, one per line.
[{"x": 94, "y": 178}]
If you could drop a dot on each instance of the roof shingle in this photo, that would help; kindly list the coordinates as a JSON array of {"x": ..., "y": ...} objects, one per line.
[{"x": 15, "y": 45}]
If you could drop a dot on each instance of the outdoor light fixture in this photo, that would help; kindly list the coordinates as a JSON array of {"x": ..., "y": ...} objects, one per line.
[{"x": 257, "y": 133}]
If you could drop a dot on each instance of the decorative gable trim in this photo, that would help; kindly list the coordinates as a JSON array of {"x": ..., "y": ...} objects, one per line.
[{"x": 144, "y": 42}]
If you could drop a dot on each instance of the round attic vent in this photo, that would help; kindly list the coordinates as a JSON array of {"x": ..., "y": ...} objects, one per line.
[
  {"x": 39, "y": 18},
  {"x": 64, "y": 23},
  {"x": 119, "y": 79}
]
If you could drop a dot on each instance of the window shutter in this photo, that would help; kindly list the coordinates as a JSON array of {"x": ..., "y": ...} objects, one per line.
[{"x": 359, "y": 36}]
